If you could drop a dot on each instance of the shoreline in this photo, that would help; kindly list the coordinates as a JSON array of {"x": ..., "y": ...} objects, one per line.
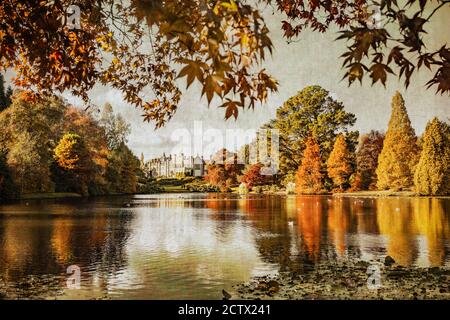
[
  {"x": 358, "y": 194},
  {"x": 349, "y": 280}
]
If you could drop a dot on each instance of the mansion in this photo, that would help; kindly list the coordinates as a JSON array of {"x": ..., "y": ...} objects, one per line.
[{"x": 176, "y": 166}]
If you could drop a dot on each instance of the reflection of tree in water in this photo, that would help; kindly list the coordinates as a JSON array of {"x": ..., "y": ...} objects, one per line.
[
  {"x": 339, "y": 223},
  {"x": 268, "y": 216},
  {"x": 47, "y": 240},
  {"x": 432, "y": 222},
  {"x": 395, "y": 220}
]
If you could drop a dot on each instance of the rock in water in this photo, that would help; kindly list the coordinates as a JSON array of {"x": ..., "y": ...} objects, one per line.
[
  {"x": 226, "y": 295},
  {"x": 389, "y": 261}
]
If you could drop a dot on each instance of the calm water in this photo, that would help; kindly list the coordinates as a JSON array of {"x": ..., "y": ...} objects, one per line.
[{"x": 194, "y": 245}]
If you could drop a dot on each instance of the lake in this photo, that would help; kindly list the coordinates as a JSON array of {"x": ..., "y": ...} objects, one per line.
[{"x": 191, "y": 246}]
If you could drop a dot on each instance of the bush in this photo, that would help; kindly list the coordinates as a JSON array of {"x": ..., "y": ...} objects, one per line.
[
  {"x": 149, "y": 187},
  {"x": 290, "y": 188},
  {"x": 243, "y": 188},
  {"x": 201, "y": 186}
]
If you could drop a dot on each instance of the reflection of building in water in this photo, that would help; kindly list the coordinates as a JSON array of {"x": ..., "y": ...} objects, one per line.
[{"x": 175, "y": 166}]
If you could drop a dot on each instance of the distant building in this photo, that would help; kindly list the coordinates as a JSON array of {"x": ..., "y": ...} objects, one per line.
[{"x": 176, "y": 166}]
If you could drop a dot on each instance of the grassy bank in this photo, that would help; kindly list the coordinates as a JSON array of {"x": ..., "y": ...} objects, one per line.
[
  {"x": 380, "y": 194},
  {"x": 174, "y": 189}
]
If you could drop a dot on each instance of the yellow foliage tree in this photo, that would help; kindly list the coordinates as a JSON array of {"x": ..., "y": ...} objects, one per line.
[
  {"x": 432, "y": 176},
  {"x": 72, "y": 156},
  {"x": 397, "y": 160},
  {"x": 339, "y": 165}
]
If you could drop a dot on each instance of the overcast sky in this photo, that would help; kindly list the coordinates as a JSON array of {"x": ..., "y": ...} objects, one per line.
[{"x": 312, "y": 60}]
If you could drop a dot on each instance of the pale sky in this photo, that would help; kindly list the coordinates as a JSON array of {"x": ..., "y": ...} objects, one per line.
[{"x": 312, "y": 60}]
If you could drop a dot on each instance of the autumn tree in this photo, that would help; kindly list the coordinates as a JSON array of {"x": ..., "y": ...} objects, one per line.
[
  {"x": 382, "y": 39},
  {"x": 339, "y": 164},
  {"x": 399, "y": 156},
  {"x": 137, "y": 47},
  {"x": 432, "y": 176},
  {"x": 72, "y": 156},
  {"x": 309, "y": 176},
  {"x": 369, "y": 149},
  {"x": 84, "y": 124},
  {"x": 220, "y": 44},
  {"x": 311, "y": 111},
  {"x": 252, "y": 176},
  {"x": 223, "y": 175}
]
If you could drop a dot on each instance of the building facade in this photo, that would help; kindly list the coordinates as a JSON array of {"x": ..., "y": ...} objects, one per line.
[{"x": 176, "y": 166}]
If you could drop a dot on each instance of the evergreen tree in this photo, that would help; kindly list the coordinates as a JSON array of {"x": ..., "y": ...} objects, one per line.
[
  {"x": 3, "y": 97},
  {"x": 399, "y": 156},
  {"x": 9, "y": 93},
  {"x": 309, "y": 176},
  {"x": 116, "y": 128},
  {"x": 121, "y": 173},
  {"x": 339, "y": 164},
  {"x": 312, "y": 111},
  {"x": 7, "y": 189},
  {"x": 367, "y": 160},
  {"x": 432, "y": 176}
]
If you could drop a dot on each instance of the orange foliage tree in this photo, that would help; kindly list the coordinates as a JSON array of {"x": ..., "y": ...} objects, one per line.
[
  {"x": 309, "y": 177},
  {"x": 253, "y": 177},
  {"x": 339, "y": 164}
]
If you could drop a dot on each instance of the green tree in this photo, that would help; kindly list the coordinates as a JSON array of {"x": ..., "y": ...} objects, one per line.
[
  {"x": 116, "y": 128},
  {"x": 399, "y": 156},
  {"x": 369, "y": 149},
  {"x": 309, "y": 177},
  {"x": 339, "y": 164},
  {"x": 5, "y": 96},
  {"x": 122, "y": 170},
  {"x": 432, "y": 176},
  {"x": 72, "y": 156},
  {"x": 28, "y": 164},
  {"x": 29, "y": 134},
  {"x": 311, "y": 111},
  {"x": 7, "y": 188}
]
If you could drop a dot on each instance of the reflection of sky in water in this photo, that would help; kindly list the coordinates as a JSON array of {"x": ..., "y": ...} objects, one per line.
[{"x": 193, "y": 246}]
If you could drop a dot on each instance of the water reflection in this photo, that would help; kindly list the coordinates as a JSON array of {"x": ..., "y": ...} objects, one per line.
[{"x": 191, "y": 246}]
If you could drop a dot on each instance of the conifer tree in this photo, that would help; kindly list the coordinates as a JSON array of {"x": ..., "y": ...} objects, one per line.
[
  {"x": 3, "y": 98},
  {"x": 432, "y": 176},
  {"x": 369, "y": 150},
  {"x": 339, "y": 164},
  {"x": 397, "y": 160},
  {"x": 309, "y": 177}
]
